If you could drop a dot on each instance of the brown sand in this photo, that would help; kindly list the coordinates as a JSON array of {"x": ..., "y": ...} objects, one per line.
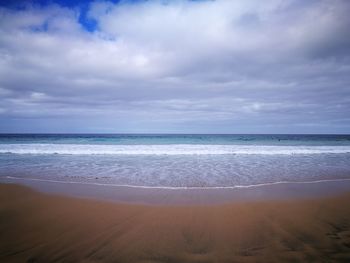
[{"x": 35, "y": 227}]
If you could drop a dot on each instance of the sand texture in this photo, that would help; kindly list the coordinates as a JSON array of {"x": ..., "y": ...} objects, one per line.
[{"x": 37, "y": 227}]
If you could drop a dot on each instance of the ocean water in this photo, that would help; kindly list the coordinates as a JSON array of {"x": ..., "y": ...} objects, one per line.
[{"x": 175, "y": 161}]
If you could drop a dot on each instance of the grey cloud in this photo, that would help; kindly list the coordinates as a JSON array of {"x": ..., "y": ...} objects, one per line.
[{"x": 207, "y": 66}]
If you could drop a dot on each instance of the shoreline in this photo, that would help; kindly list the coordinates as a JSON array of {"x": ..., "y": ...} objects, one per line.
[
  {"x": 38, "y": 227},
  {"x": 179, "y": 187},
  {"x": 186, "y": 196}
]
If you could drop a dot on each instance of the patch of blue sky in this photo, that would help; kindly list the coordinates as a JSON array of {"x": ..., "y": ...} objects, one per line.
[{"x": 88, "y": 23}]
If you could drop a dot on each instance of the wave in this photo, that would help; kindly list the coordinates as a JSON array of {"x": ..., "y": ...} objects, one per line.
[
  {"x": 171, "y": 149},
  {"x": 180, "y": 187}
]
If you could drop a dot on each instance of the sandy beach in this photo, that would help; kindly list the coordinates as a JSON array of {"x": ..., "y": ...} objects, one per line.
[
  {"x": 174, "y": 131},
  {"x": 37, "y": 227}
]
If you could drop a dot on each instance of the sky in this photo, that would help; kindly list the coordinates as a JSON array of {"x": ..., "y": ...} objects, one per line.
[{"x": 211, "y": 66}]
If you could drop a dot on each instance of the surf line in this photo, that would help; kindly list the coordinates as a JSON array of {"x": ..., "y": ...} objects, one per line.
[{"x": 178, "y": 187}]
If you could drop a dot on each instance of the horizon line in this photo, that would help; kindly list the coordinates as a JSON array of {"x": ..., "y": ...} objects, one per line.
[{"x": 146, "y": 133}]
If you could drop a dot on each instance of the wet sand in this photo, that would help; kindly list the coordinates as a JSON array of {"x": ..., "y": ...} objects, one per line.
[
  {"x": 37, "y": 227},
  {"x": 199, "y": 196}
]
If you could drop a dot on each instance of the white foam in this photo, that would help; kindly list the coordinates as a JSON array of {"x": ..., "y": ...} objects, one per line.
[
  {"x": 170, "y": 149},
  {"x": 180, "y": 187}
]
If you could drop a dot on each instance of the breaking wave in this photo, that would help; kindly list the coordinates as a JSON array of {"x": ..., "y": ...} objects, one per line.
[{"x": 170, "y": 149}]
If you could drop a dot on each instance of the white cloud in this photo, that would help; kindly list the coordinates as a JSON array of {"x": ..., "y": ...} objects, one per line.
[{"x": 175, "y": 61}]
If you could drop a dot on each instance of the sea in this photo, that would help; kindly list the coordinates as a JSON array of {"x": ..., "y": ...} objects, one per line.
[{"x": 175, "y": 161}]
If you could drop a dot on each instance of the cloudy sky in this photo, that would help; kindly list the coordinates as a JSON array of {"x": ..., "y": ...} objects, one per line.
[{"x": 224, "y": 66}]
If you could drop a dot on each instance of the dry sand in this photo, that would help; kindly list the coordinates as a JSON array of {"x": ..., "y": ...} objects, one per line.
[{"x": 36, "y": 227}]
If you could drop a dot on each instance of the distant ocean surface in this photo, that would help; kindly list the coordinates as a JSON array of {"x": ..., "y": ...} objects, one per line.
[{"x": 175, "y": 161}]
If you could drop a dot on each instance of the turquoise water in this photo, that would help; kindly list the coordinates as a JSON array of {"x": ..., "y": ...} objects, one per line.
[{"x": 175, "y": 160}]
